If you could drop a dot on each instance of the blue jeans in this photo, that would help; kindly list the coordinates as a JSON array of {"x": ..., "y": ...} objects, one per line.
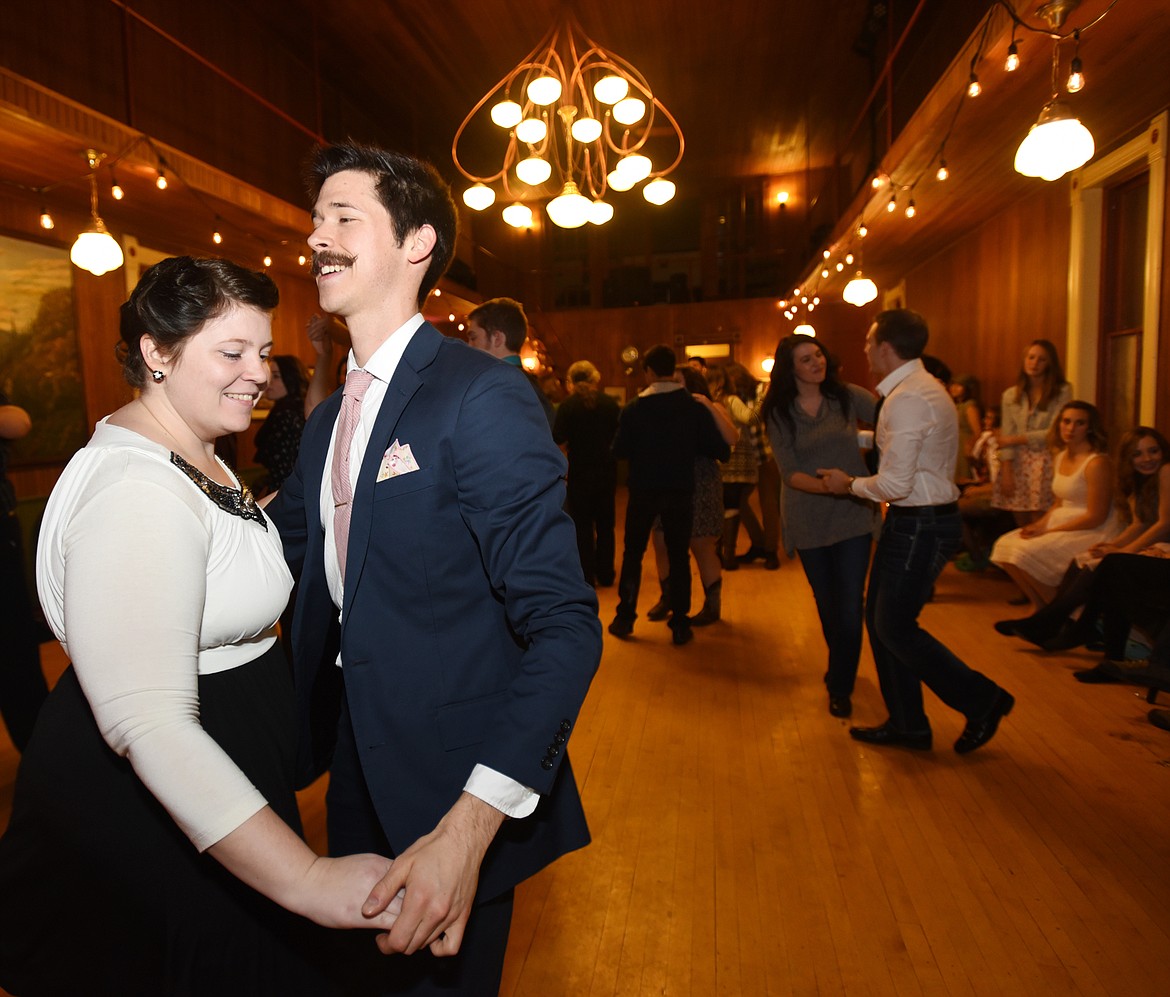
[
  {"x": 836, "y": 575},
  {"x": 911, "y": 554}
]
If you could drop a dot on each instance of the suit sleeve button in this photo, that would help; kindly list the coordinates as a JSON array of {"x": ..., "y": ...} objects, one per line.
[
  {"x": 546, "y": 763},
  {"x": 566, "y": 726}
]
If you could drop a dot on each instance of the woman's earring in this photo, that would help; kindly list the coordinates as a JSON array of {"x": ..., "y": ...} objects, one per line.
[{"x": 158, "y": 375}]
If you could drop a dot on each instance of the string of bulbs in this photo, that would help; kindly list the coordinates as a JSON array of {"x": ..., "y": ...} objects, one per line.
[
  {"x": 805, "y": 296},
  {"x": 167, "y": 174}
]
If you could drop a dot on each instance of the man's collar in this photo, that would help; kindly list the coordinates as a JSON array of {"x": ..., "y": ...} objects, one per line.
[
  {"x": 661, "y": 388},
  {"x": 897, "y": 376},
  {"x": 385, "y": 358},
  {"x": 513, "y": 359}
]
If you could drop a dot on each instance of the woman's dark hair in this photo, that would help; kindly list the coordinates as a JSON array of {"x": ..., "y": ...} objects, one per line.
[
  {"x": 781, "y": 396},
  {"x": 693, "y": 380},
  {"x": 295, "y": 377},
  {"x": 741, "y": 383},
  {"x": 412, "y": 192},
  {"x": 1053, "y": 376},
  {"x": 1097, "y": 436},
  {"x": 176, "y": 297},
  {"x": 971, "y": 393},
  {"x": 1137, "y": 493}
]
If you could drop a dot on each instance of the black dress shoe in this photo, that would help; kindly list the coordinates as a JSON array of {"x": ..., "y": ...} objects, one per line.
[
  {"x": 753, "y": 553},
  {"x": 621, "y": 628},
  {"x": 888, "y": 736},
  {"x": 1008, "y": 627},
  {"x": 840, "y": 706},
  {"x": 772, "y": 562},
  {"x": 1096, "y": 675},
  {"x": 978, "y": 732},
  {"x": 682, "y": 635},
  {"x": 1072, "y": 634}
]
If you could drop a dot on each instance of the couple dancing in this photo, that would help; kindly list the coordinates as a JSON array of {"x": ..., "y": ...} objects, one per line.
[{"x": 443, "y": 636}]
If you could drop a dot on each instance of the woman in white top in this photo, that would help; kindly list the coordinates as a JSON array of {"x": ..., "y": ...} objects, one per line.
[
  {"x": 1024, "y": 485},
  {"x": 163, "y": 759},
  {"x": 1036, "y": 556}
]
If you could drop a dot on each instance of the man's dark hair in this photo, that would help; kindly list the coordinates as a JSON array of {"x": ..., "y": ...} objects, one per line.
[
  {"x": 504, "y": 315},
  {"x": 904, "y": 330},
  {"x": 661, "y": 360},
  {"x": 411, "y": 191}
]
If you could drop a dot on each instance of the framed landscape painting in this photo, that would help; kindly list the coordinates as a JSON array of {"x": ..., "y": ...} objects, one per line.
[{"x": 40, "y": 364}]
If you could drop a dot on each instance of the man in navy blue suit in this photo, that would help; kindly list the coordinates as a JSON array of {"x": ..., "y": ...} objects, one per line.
[{"x": 444, "y": 637}]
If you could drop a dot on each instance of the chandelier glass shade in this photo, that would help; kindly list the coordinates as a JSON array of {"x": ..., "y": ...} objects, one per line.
[
  {"x": 1057, "y": 144},
  {"x": 859, "y": 291},
  {"x": 95, "y": 250},
  {"x": 588, "y": 116}
]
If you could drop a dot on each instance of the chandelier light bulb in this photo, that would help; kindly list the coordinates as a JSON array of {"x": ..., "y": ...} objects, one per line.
[
  {"x": 544, "y": 90},
  {"x": 507, "y": 114},
  {"x": 570, "y": 209},
  {"x": 840, "y": 266},
  {"x": 518, "y": 215},
  {"x": 96, "y": 251},
  {"x": 859, "y": 291},
  {"x": 824, "y": 273},
  {"x": 479, "y": 196},
  {"x": 1076, "y": 76},
  {"x": 658, "y": 191},
  {"x": 611, "y": 89},
  {"x": 943, "y": 172},
  {"x": 533, "y": 170},
  {"x": 826, "y": 253},
  {"x": 1057, "y": 144},
  {"x": 911, "y": 210},
  {"x": 531, "y": 130},
  {"x": 600, "y": 212},
  {"x": 804, "y": 299},
  {"x": 1012, "y": 63},
  {"x": 629, "y": 111},
  {"x": 619, "y": 181},
  {"x": 816, "y": 299},
  {"x": 812, "y": 306},
  {"x": 849, "y": 258},
  {"x": 635, "y": 166},
  {"x": 974, "y": 88},
  {"x": 586, "y": 130}
]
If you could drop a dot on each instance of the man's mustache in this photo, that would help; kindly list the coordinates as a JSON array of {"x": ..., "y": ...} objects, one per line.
[{"x": 328, "y": 259}]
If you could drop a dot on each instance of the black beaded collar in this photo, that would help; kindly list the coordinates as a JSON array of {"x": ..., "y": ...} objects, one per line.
[{"x": 238, "y": 503}]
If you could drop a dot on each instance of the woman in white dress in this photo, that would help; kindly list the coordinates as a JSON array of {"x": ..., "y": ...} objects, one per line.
[
  {"x": 1036, "y": 556},
  {"x": 154, "y": 809}
]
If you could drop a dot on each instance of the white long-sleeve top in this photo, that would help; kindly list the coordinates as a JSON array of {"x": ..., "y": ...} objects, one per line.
[{"x": 147, "y": 584}]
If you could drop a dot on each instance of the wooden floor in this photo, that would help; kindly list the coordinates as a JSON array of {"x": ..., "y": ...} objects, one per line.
[{"x": 744, "y": 844}]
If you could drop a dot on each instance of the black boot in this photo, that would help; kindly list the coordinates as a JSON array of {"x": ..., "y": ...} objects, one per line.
[
  {"x": 712, "y": 605},
  {"x": 661, "y": 609},
  {"x": 730, "y": 534}
]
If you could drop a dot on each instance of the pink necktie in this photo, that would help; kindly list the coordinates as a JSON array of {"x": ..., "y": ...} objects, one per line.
[{"x": 356, "y": 383}]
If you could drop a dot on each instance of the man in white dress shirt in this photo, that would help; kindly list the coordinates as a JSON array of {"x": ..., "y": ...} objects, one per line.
[{"x": 916, "y": 440}]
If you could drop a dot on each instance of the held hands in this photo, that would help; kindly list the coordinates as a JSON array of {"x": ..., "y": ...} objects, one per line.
[
  {"x": 836, "y": 481},
  {"x": 434, "y": 881},
  {"x": 333, "y": 888}
]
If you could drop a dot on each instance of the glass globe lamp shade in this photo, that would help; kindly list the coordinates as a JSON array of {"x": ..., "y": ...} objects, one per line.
[
  {"x": 544, "y": 90},
  {"x": 658, "y": 191},
  {"x": 479, "y": 196},
  {"x": 1057, "y": 144},
  {"x": 600, "y": 212},
  {"x": 634, "y": 166},
  {"x": 570, "y": 209},
  {"x": 96, "y": 251},
  {"x": 859, "y": 291},
  {"x": 507, "y": 114},
  {"x": 533, "y": 170},
  {"x": 804, "y": 329},
  {"x": 531, "y": 130},
  {"x": 619, "y": 181},
  {"x": 586, "y": 129},
  {"x": 611, "y": 89},
  {"x": 629, "y": 111},
  {"x": 518, "y": 215}
]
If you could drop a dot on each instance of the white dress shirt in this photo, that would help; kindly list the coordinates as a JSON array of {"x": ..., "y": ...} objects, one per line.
[
  {"x": 494, "y": 788},
  {"x": 918, "y": 438}
]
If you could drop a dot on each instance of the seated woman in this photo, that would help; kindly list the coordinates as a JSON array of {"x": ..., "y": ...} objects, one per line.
[
  {"x": 1143, "y": 503},
  {"x": 1037, "y": 555}
]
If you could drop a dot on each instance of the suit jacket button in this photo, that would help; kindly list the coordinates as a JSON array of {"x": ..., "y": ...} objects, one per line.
[
  {"x": 566, "y": 726},
  {"x": 560, "y": 738},
  {"x": 546, "y": 763},
  {"x": 553, "y": 751}
]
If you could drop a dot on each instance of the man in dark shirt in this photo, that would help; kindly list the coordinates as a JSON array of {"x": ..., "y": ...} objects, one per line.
[
  {"x": 660, "y": 433},
  {"x": 499, "y": 327}
]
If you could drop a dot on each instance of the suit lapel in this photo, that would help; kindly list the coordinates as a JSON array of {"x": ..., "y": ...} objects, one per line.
[{"x": 407, "y": 379}]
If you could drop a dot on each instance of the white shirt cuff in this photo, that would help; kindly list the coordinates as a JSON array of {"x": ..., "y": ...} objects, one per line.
[{"x": 497, "y": 790}]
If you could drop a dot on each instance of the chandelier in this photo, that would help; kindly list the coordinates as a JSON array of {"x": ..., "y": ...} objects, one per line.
[
  {"x": 95, "y": 249},
  {"x": 578, "y": 120}
]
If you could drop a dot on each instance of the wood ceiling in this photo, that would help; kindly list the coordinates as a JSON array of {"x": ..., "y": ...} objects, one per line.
[{"x": 760, "y": 88}]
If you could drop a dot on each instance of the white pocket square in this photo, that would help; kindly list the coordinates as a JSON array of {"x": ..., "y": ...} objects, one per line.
[{"x": 397, "y": 460}]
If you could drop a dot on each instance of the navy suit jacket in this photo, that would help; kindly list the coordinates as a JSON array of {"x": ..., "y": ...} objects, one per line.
[{"x": 468, "y": 635}]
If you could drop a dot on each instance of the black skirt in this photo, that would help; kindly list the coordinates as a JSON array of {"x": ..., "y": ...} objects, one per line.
[{"x": 101, "y": 893}]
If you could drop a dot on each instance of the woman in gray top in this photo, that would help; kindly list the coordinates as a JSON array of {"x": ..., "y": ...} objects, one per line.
[{"x": 811, "y": 419}]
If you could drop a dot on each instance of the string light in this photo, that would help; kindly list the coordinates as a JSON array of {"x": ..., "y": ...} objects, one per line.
[
  {"x": 1076, "y": 76},
  {"x": 862, "y": 230},
  {"x": 893, "y": 203},
  {"x": 943, "y": 172},
  {"x": 216, "y": 237},
  {"x": 974, "y": 88},
  {"x": 911, "y": 210},
  {"x": 116, "y": 191},
  {"x": 1012, "y": 63},
  {"x": 47, "y": 222},
  {"x": 161, "y": 180}
]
